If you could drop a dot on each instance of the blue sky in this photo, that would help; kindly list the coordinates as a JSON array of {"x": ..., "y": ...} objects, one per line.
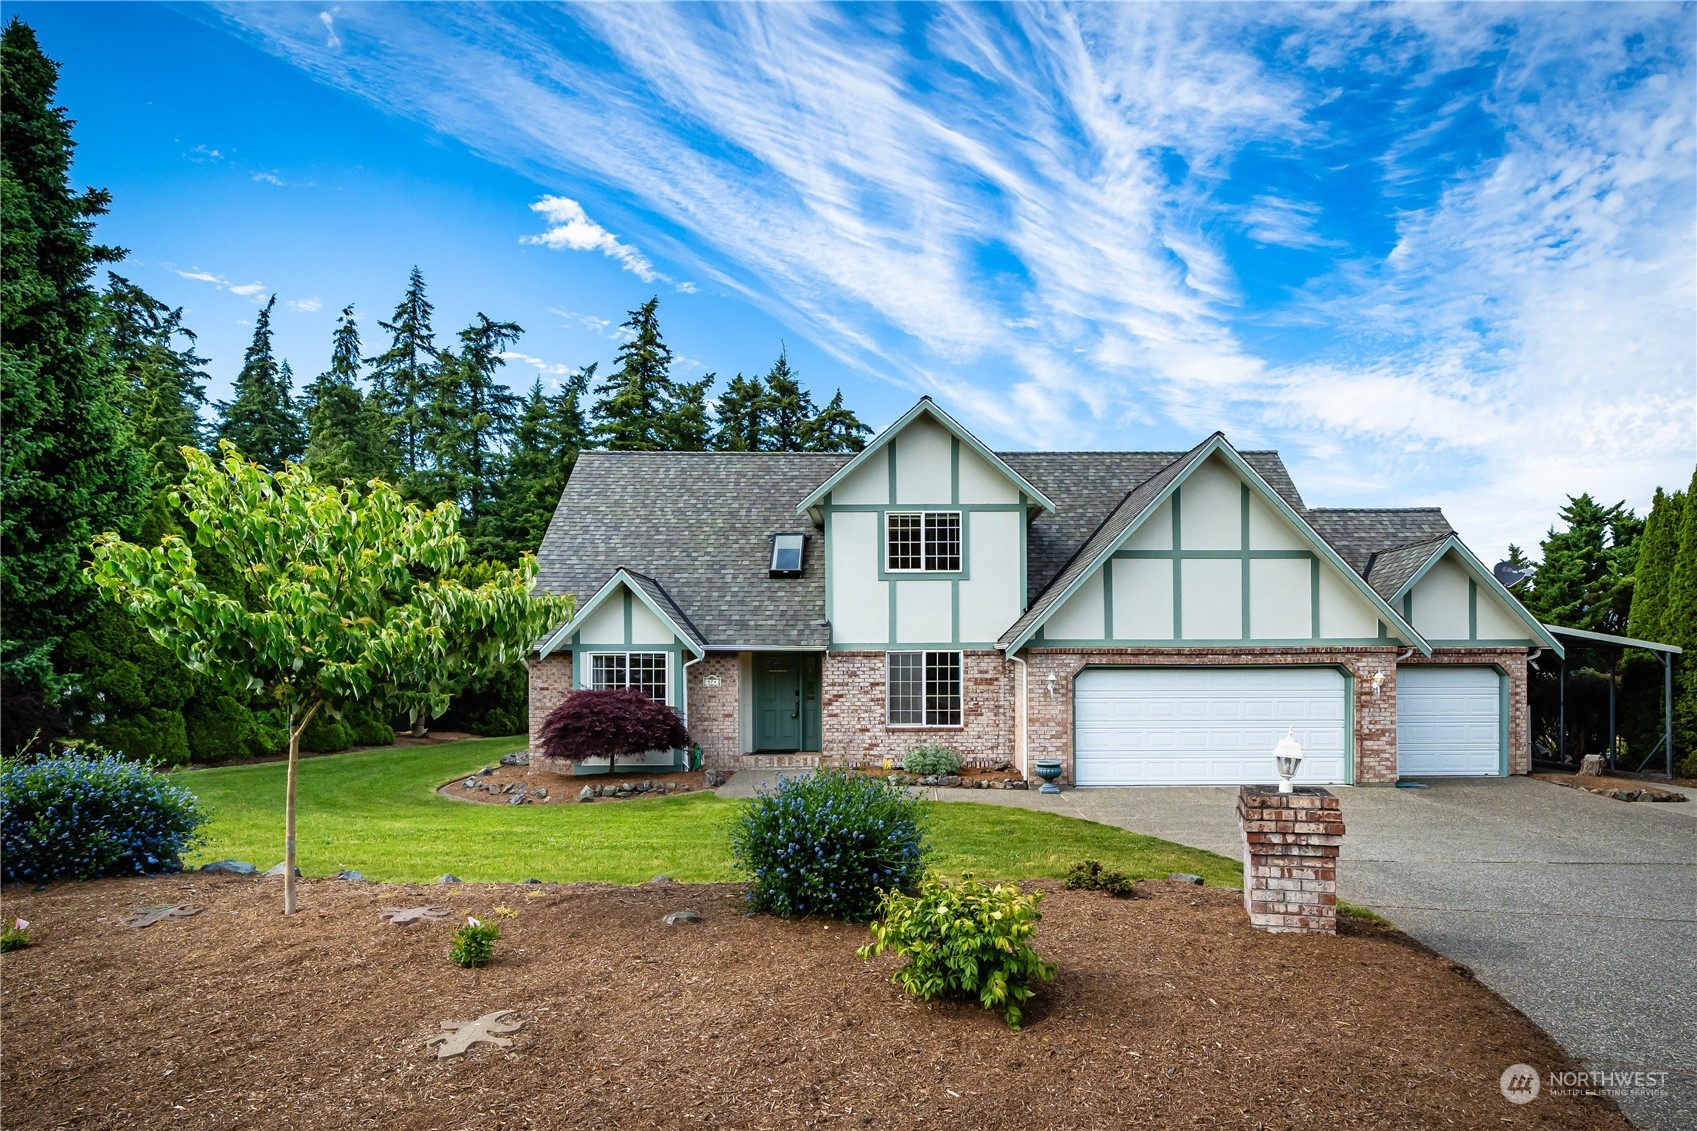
[{"x": 1435, "y": 255}]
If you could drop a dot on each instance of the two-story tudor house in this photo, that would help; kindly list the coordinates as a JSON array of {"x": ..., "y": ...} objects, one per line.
[{"x": 1146, "y": 617}]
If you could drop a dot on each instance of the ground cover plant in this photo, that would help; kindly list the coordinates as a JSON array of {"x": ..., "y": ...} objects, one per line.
[
  {"x": 474, "y": 943},
  {"x": 82, "y": 816},
  {"x": 829, "y": 843},
  {"x": 963, "y": 939},
  {"x": 377, "y": 812},
  {"x": 1089, "y": 875}
]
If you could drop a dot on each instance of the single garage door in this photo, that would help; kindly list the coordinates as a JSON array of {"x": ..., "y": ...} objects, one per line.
[
  {"x": 1448, "y": 722},
  {"x": 1206, "y": 726}
]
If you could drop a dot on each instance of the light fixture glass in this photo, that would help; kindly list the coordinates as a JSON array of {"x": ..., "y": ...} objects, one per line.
[{"x": 1287, "y": 756}]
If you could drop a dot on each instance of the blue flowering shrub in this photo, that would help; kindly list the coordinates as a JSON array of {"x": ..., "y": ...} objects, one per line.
[
  {"x": 83, "y": 816},
  {"x": 829, "y": 844}
]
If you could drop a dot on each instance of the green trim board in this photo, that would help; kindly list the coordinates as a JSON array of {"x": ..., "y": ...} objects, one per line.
[
  {"x": 1218, "y": 445},
  {"x": 1072, "y": 643},
  {"x": 925, "y": 407}
]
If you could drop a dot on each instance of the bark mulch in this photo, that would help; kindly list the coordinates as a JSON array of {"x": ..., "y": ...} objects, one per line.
[
  {"x": 495, "y": 786},
  {"x": 1608, "y": 785},
  {"x": 1168, "y": 1012}
]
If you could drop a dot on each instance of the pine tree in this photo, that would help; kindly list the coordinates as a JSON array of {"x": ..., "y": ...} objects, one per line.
[
  {"x": 347, "y": 435},
  {"x": 688, "y": 428},
  {"x": 164, "y": 383},
  {"x": 403, "y": 377},
  {"x": 1679, "y": 626},
  {"x": 68, "y": 468},
  {"x": 789, "y": 407},
  {"x": 1658, "y": 550},
  {"x": 262, "y": 420},
  {"x": 1585, "y": 578},
  {"x": 835, "y": 429},
  {"x": 634, "y": 402},
  {"x": 741, "y": 414},
  {"x": 546, "y": 441},
  {"x": 471, "y": 416}
]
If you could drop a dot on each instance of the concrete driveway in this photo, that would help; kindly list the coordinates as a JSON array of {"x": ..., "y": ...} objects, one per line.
[{"x": 1578, "y": 909}]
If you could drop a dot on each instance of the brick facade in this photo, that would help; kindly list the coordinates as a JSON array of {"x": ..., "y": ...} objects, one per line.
[
  {"x": 854, "y": 710},
  {"x": 1513, "y": 662},
  {"x": 550, "y": 683},
  {"x": 1290, "y": 858},
  {"x": 715, "y": 697}
]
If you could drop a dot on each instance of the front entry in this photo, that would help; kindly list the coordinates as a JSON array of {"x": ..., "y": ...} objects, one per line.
[{"x": 786, "y": 701}]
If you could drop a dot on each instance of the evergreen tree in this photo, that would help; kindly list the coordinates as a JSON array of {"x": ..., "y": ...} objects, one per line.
[
  {"x": 634, "y": 402},
  {"x": 789, "y": 407},
  {"x": 835, "y": 429},
  {"x": 346, "y": 431},
  {"x": 1679, "y": 626},
  {"x": 741, "y": 414},
  {"x": 1658, "y": 550},
  {"x": 163, "y": 384},
  {"x": 262, "y": 420},
  {"x": 403, "y": 377},
  {"x": 1585, "y": 578},
  {"x": 1525, "y": 566},
  {"x": 68, "y": 468},
  {"x": 546, "y": 440},
  {"x": 688, "y": 428},
  {"x": 471, "y": 416}
]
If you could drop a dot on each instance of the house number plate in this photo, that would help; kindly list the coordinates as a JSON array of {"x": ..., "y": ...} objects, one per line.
[{"x": 710, "y": 681}]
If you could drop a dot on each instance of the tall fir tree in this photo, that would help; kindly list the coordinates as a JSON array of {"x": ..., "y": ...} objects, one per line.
[
  {"x": 689, "y": 428},
  {"x": 789, "y": 407},
  {"x": 403, "y": 377},
  {"x": 835, "y": 429},
  {"x": 68, "y": 468},
  {"x": 741, "y": 416},
  {"x": 634, "y": 402},
  {"x": 163, "y": 378},
  {"x": 347, "y": 433},
  {"x": 262, "y": 419},
  {"x": 1652, "y": 580},
  {"x": 547, "y": 438},
  {"x": 1585, "y": 578},
  {"x": 471, "y": 415}
]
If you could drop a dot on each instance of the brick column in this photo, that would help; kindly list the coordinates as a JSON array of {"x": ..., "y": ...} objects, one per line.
[{"x": 1290, "y": 857}]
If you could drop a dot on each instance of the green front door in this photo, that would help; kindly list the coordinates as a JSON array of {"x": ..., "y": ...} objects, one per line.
[{"x": 786, "y": 701}]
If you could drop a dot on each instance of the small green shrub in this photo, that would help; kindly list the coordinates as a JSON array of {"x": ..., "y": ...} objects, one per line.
[
  {"x": 220, "y": 729},
  {"x": 829, "y": 843},
  {"x": 1089, "y": 875},
  {"x": 474, "y": 943},
  {"x": 932, "y": 758},
  {"x": 367, "y": 726},
  {"x": 963, "y": 940},
  {"x": 324, "y": 734},
  {"x": 83, "y": 816},
  {"x": 15, "y": 937}
]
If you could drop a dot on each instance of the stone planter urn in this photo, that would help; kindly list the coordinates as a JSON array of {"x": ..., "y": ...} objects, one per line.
[{"x": 1048, "y": 769}]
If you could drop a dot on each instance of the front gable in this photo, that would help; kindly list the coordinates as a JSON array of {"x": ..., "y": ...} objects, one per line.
[
  {"x": 629, "y": 612},
  {"x": 1213, "y": 558},
  {"x": 1455, "y": 602}
]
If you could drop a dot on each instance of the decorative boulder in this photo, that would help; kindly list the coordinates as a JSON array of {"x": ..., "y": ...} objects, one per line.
[{"x": 232, "y": 867}]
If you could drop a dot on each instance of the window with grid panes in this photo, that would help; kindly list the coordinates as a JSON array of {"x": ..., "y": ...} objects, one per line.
[
  {"x": 922, "y": 541},
  {"x": 645, "y": 671},
  {"x": 924, "y": 689}
]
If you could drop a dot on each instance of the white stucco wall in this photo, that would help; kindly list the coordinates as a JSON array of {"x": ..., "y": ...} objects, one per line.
[
  {"x": 1497, "y": 621},
  {"x": 1211, "y": 508},
  {"x": 922, "y": 463},
  {"x": 1080, "y": 618},
  {"x": 1280, "y": 598},
  {"x": 1344, "y": 613},
  {"x": 1212, "y": 596},
  {"x": 645, "y": 627},
  {"x": 1143, "y": 599},
  {"x": 981, "y": 483},
  {"x": 1440, "y": 602},
  {"x": 860, "y": 603},
  {"x": 606, "y": 625},
  {"x": 990, "y": 600},
  {"x": 924, "y": 612}
]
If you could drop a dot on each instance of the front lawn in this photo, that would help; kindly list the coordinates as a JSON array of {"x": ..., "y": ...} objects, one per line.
[{"x": 377, "y": 812}]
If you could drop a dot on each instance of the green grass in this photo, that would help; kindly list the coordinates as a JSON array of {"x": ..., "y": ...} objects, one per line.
[{"x": 378, "y": 812}]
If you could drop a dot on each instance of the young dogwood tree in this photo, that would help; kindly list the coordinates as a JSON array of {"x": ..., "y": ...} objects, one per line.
[{"x": 342, "y": 598}]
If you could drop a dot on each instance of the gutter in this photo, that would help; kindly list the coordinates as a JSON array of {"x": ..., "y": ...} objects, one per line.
[{"x": 1022, "y": 742}]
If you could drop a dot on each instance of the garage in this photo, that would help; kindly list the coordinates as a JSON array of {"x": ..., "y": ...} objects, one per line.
[
  {"x": 1207, "y": 726},
  {"x": 1448, "y": 722}
]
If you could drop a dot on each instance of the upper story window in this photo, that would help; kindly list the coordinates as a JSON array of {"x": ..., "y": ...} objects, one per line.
[
  {"x": 786, "y": 554},
  {"x": 644, "y": 671},
  {"x": 922, "y": 541}
]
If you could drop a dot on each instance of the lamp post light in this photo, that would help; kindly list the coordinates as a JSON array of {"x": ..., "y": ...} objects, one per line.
[{"x": 1287, "y": 756}]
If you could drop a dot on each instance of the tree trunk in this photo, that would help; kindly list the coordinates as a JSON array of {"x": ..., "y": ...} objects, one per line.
[{"x": 289, "y": 809}]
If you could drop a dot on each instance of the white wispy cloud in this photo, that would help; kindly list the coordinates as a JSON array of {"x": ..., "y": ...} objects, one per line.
[
  {"x": 571, "y": 229},
  {"x": 1528, "y": 334},
  {"x": 546, "y": 368},
  {"x": 306, "y": 305},
  {"x": 328, "y": 19},
  {"x": 246, "y": 290}
]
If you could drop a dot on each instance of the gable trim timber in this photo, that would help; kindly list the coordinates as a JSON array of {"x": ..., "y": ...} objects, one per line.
[{"x": 1478, "y": 574}]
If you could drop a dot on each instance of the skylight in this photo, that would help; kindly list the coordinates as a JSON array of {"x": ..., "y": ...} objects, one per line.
[{"x": 786, "y": 554}]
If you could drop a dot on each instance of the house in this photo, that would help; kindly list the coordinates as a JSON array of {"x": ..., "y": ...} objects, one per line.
[{"x": 1146, "y": 617}]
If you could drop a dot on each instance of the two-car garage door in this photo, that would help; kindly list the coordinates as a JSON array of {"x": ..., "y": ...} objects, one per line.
[{"x": 1207, "y": 726}]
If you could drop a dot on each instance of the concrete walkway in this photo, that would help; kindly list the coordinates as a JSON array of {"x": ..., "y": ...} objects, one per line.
[{"x": 1580, "y": 910}]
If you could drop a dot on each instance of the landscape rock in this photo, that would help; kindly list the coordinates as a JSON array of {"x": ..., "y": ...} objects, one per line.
[
  {"x": 232, "y": 867},
  {"x": 522, "y": 758},
  {"x": 278, "y": 870},
  {"x": 516, "y": 799},
  {"x": 1591, "y": 766},
  {"x": 687, "y": 915},
  {"x": 347, "y": 874},
  {"x": 662, "y": 880},
  {"x": 485, "y": 771},
  {"x": 540, "y": 794},
  {"x": 447, "y": 878},
  {"x": 715, "y": 778},
  {"x": 472, "y": 783},
  {"x": 587, "y": 793},
  {"x": 532, "y": 880},
  {"x": 1185, "y": 878}
]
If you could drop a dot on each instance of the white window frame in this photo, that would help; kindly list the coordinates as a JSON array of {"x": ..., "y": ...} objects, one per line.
[
  {"x": 625, "y": 655},
  {"x": 926, "y": 547},
  {"x": 927, "y": 658}
]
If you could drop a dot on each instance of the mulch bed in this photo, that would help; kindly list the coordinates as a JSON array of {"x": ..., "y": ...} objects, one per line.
[
  {"x": 1168, "y": 1012},
  {"x": 560, "y": 788},
  {"x": 1621, "y": 789}
]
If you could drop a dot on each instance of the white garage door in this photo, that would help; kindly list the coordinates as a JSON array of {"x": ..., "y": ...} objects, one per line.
[
  {"x": 1448, "y": 722},
  {"x": 1206, "y": 726}
]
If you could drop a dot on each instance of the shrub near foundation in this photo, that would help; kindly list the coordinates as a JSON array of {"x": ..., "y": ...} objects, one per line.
[{"x": 932, "y": 758}]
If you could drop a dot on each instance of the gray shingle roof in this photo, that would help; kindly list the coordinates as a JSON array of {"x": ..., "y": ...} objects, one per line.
[
  {"x": 1358, "y": 533},
  {"x": 697, "y": 523}
]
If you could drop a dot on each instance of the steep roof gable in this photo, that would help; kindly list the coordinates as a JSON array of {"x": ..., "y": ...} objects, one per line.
[
  {"x": 646, "y": 590},
  {"x": 927, "y": 408},
  {"x": 1434, "y": 553}
]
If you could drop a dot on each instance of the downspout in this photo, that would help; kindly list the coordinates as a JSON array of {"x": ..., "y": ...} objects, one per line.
[
  {"x": 687, "y": 665},
  {"x": 1404, "y": 654},
  {"x": 1021, "y": 743}
]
